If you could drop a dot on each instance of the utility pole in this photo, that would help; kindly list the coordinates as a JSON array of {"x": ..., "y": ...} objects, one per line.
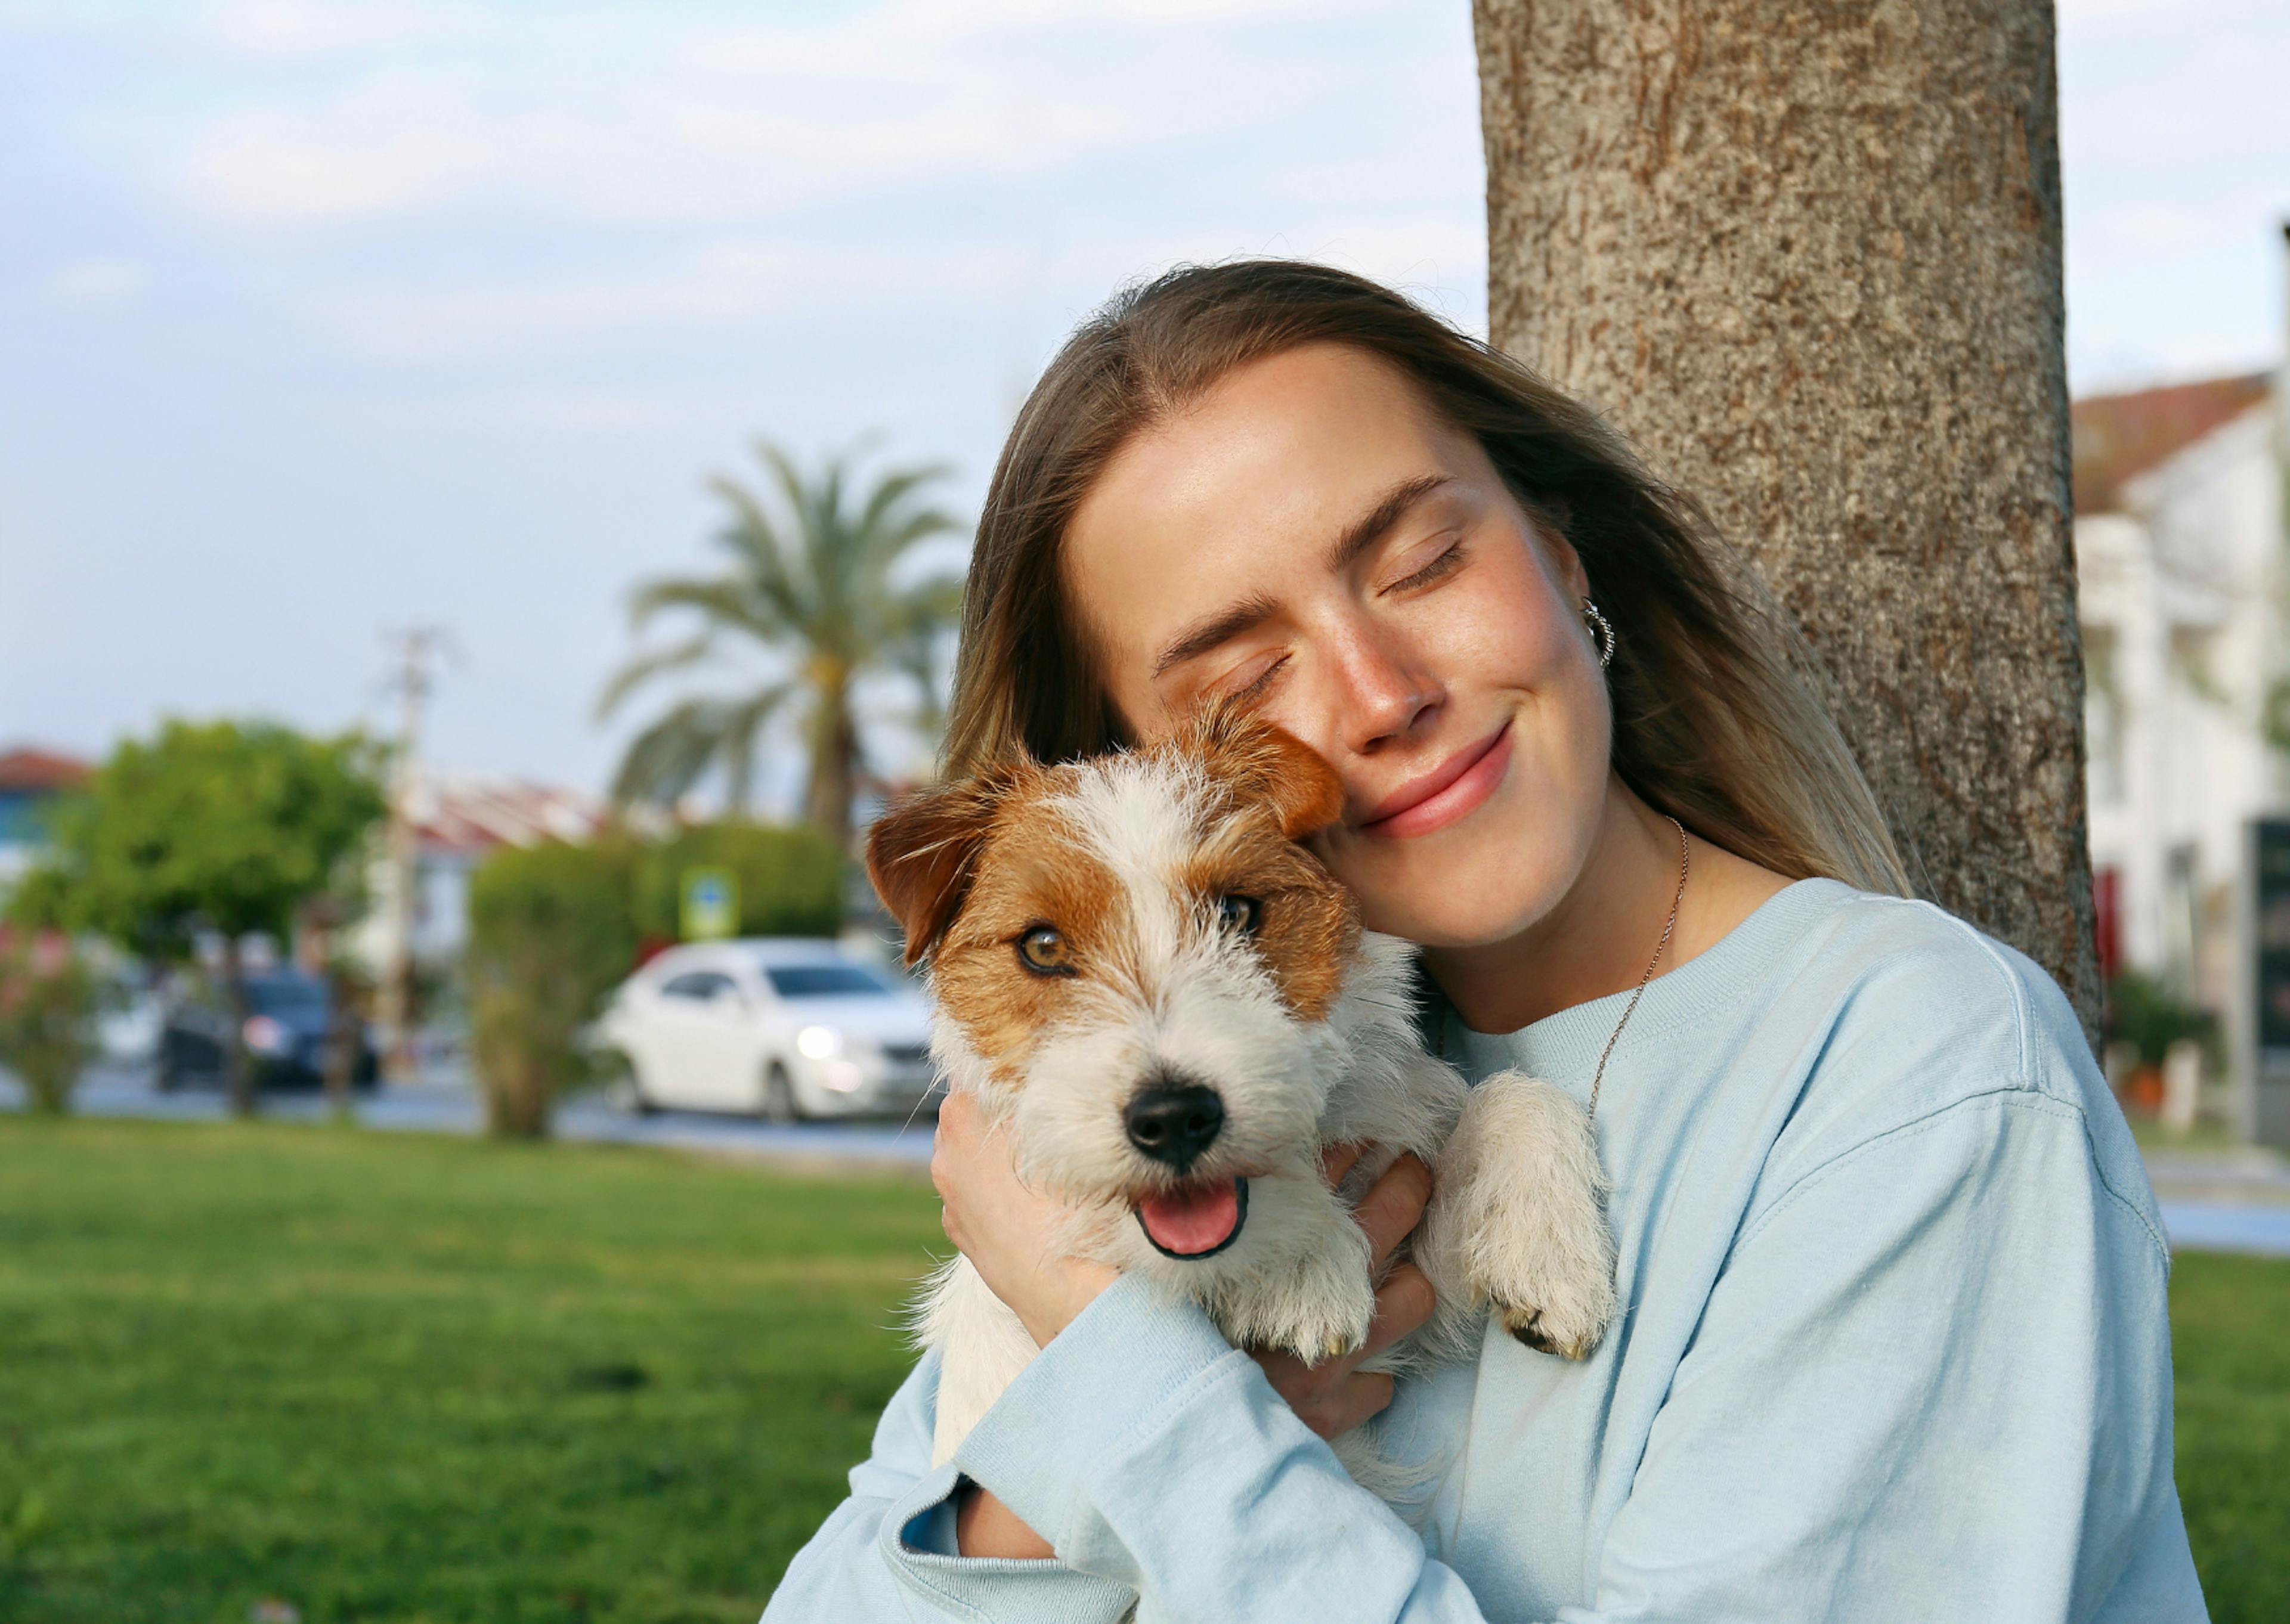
[{"x": 410, "y": 676}]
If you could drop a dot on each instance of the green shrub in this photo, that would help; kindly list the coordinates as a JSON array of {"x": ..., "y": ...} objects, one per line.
[
  {"x": 551, "y": 931},
  {"x": 47, "y": 1015},
  {"x": 791, "y": 879},
  {"x": 2149, "y": 1016}
]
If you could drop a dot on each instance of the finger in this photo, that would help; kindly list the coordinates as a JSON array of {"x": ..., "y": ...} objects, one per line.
[
  {"x": 1402, "y": 1303},
  {"x": 1338, "y": 1160},
  {"x": 1336, "y": 1409},
  {"x": 1388, "y": 1211}
]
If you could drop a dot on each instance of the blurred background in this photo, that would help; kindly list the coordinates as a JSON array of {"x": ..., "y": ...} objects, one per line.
[{"x": 482, "y": 500}]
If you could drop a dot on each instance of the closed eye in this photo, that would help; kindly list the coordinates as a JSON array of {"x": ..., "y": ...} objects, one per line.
[
  {"x": 1263, "y": 680},
  {"x": 1446, "y": 564}
]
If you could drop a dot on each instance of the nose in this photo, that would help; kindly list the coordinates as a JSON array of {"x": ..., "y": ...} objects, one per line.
[
  {"x": 1174, "y": 1123},
  {"x": 1386, "y": 695}
]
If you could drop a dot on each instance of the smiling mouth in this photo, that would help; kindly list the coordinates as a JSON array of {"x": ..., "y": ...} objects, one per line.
[
  {"x": 1448, "y": 791},
  {"x": 1195, "y": 1220}
]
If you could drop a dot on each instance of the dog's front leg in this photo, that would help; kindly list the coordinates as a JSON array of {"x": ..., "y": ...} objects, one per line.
[
  {"x": 1311, "y": 1295},
  {"x": 1518, "y": 1217},
  {"x": 982, "y": 1345}
]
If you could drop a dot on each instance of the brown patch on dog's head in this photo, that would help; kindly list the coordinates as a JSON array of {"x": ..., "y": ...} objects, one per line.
[
  {"x": 1277, "y": 790},
  {"x": 1034, "y": 871},
  {"x": 923, "y": 853},
  {"x": 1257, "y": 760}
]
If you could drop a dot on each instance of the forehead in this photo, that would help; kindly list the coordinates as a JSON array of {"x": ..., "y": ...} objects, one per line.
[
  {"x": 1232, "y": 496},
  {"x": 1130, "y": 820}
]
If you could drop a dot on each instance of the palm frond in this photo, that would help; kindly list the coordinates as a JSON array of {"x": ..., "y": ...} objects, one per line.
[
  {"x": 743, "y": 729},
  {"x": 724, "y": 602},
  {"x": 812, "y": 578},
  {"x": 642, "y": 670},
  {"x": 763, "y": 551},
  {"x": 663, "y": 761}
]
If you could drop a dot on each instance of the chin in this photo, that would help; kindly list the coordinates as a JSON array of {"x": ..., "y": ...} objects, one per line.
[{"x": 1462, "y": 893}]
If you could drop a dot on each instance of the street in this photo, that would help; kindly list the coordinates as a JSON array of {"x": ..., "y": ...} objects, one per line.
[
  {"x": 2220, "y": 1201},
  {"x": 444, "y": 1102}
]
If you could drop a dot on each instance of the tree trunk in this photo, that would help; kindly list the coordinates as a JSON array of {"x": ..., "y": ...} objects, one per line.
[
  {"x": 834, "y": 768},
  {"x": 1808, "y": 257},
  {"x": 238, "y": 1065}
]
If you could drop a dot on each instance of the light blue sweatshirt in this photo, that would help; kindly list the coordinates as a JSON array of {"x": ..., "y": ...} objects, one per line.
[{"x": 1893, "y": 1346}]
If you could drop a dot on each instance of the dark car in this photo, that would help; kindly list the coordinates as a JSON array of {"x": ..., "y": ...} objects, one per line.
[{"x": 289, "y": 1016}]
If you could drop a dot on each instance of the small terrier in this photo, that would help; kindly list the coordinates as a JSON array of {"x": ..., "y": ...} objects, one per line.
[{"x": 1169, "y": 1007}]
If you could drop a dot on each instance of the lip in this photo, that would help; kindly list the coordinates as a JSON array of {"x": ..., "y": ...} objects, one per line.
[{"x": 1454, "y": 788}]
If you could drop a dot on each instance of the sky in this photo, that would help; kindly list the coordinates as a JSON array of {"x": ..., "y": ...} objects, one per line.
[{"x": 318, "y": 321}]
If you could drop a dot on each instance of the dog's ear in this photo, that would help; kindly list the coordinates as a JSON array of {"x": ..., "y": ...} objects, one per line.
[
  {"x": 922, "y": 854},
  {"x": 1261, "y": 760}
]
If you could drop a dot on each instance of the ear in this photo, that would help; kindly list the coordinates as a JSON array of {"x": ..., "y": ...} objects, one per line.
[
  {"x": 922, "y": 852},
  {"x": 1262, "y": 761}
]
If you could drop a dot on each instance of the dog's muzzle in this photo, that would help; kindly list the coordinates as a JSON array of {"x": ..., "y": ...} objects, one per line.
[{"x": 1174, "y": 1123}]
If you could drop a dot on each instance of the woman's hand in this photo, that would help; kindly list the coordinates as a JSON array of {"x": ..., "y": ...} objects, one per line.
[
  {"x": 1336, "y": 1397},
  {"x": 1012, "y": 1234}
]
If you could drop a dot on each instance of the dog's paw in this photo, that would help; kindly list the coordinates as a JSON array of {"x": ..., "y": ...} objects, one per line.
[
  {"x": 1519, "y": 1217},
  {"x": 1320, "y": 1310},
  {"x": 1570, "y": 1327}
]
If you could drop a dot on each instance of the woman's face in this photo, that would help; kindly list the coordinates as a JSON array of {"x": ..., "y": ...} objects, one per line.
[{"x": 1311, "y": 537}]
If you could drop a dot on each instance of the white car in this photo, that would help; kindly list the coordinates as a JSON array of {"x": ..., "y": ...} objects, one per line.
[{"x": 782, "y": 1028}]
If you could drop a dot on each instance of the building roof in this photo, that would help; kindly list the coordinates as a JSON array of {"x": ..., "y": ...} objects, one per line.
[
  {"x": 37, "y": 770},
  {"x": 472, "y": 816},
  {"x": 2118, "y": 438}
]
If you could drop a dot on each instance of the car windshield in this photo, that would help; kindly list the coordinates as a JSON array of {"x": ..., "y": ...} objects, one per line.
[
  {"x": 824, "y": 981},
  {"x": 286, "y": 996}
]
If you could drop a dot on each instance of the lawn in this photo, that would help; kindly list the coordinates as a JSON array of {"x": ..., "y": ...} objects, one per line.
[{"x": 421, "y": 1379}]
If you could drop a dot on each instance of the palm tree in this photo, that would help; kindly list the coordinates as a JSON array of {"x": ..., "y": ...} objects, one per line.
[{"x": 814, "y": 587}]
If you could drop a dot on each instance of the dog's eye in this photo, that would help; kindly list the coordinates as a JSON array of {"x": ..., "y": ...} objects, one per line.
[
  {"x": 1043, "y": 950},
  {"x": 1242, "y": 914}
]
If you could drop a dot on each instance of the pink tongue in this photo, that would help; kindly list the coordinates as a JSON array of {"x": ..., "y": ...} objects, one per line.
[{"x": 1193, "y": 1220}]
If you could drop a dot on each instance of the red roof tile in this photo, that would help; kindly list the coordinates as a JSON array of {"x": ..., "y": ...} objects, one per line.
[
  {"x": 38, "y": 770},
  {"x": 2118, "y": 438}
]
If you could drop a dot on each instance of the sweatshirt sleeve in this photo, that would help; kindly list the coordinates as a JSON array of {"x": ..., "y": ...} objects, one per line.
[
  {"x": 1932, "y": 1381},
  {"x": 1151, "y": 1453},
  {"x": 881, "y": 1554}
]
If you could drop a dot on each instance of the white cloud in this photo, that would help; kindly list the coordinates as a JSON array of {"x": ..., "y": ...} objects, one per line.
[
  {"x": 728, "y": 282},
  {"x": 656, "y": 122},
  {"x": 289, "y": 28},
  {"x": 98, "y": 282}
]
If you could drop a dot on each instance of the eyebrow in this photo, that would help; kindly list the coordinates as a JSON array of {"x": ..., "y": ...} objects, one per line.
[{"x": 1356, "y": 538}]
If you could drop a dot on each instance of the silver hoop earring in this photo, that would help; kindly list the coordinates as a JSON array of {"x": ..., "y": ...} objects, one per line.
[{"x": 1602, "y": 629}]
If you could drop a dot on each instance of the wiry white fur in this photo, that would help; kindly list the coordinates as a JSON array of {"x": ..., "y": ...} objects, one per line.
[{"x": 1515, "y": 1221}]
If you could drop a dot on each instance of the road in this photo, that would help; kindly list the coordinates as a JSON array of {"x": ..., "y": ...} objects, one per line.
[
  {"x": 446, "y": 1104},
  {"x": 2223, "y": 1201}
]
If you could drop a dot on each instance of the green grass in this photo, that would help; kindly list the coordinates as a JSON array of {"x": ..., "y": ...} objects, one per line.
[
  {"x": 395, "y": 1378},
  {"x": 409, "y": 1379},
  {"x": 2231, "y": 1335}
]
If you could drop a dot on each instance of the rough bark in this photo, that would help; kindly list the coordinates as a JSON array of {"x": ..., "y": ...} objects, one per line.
[{"x": 1807, "y": 256}]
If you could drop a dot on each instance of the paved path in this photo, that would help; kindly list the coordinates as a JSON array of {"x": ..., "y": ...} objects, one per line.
[
  {"x": 2236, "y": 1200},
  {"x": 446, "y": 1106}
]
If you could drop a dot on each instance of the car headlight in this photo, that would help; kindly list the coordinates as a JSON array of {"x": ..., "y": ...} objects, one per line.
[{"x": 818, "y": 1043}]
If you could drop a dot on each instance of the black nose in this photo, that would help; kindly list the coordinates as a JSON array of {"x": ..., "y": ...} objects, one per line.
[{"x": 1174, "y": 1123}]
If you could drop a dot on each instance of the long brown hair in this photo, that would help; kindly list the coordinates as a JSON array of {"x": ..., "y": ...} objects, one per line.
[{"x": 1712, "y": 723}]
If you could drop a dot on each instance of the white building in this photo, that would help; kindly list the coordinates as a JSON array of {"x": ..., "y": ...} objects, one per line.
[
  {"x": 2184, "y": 591},
  {"x": 458, "y": 820}
]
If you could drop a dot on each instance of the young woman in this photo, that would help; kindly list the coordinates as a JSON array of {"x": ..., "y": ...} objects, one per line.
[{"x": 1893, "y": 1342}]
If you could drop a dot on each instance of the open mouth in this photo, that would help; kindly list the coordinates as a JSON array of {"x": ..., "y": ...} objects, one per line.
[{"x": 1195, "y": 1220}]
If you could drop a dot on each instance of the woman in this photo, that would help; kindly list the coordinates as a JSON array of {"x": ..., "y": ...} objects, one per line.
[{"x": 1893, "y": 1341}]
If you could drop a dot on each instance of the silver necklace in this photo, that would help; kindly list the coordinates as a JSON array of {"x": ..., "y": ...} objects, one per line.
[{"x": 1685, "y": 862}]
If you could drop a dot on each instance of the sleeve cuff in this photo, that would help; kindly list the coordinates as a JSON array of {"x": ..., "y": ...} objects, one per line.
[
  {"x": 1130, "y": 1357},
  {"x": 986, "y": 1587}
]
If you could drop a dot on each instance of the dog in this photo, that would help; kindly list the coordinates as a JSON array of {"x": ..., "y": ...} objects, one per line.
[{"x": 1170, "y": 1008}]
